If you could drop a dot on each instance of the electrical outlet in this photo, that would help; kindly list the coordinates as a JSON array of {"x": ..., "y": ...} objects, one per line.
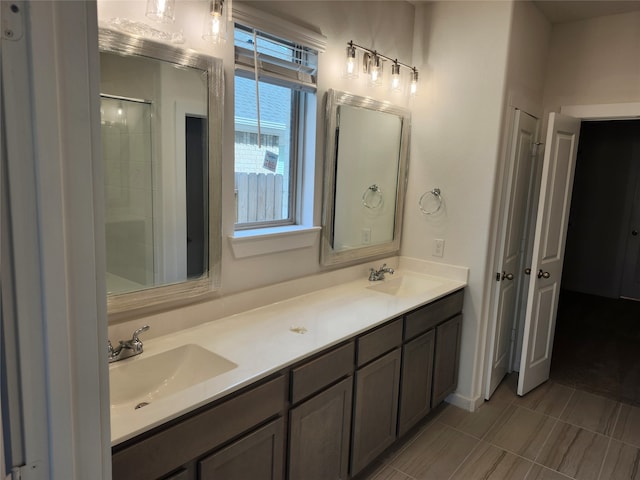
[
  {"x": 438, "y": 247},
  {"x": 366, "y": 235}
]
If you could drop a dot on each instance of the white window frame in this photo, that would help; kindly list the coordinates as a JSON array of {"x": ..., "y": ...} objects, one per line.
[{"x": 269, "y": 238}]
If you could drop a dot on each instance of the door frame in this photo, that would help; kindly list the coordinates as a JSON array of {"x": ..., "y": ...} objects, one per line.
[
  {"x": 610, "y": 111},
  {"x": 511, "y": 161}
]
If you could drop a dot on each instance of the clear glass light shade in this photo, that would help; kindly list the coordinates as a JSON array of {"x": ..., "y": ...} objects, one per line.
[
  {"x": 395, "y": 77},
  {"x": 161, "y": 10},
  {"x": 351, "y": 65},
  {"x": 413, "y": 87},
  {"x": 375, "y": 71},
  {"x": 214, "y": 29}
]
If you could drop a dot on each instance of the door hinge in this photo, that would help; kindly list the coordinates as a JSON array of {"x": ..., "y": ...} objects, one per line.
[
  {"x": 12, "y": 21},
  {"x": 25, "y": 471},
  {"x": 513, "y": 335},
  {"x": 498, "y": 277}
]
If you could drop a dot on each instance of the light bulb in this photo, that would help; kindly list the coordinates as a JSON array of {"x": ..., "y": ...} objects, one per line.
[
  {"x": 214, "y": 29},
  {"x": 351, "y": 65},
  {"x": 161, "y": 10},
  {"x": 375, "y": 70},
  {"x": 413, "y": 88},
  {"x": 395, "y": 76}
]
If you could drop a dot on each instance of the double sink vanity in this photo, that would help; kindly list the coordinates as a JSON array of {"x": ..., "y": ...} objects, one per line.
[
  {"x": 313, "y": 387},
  {"x": 314, "y": 382}
]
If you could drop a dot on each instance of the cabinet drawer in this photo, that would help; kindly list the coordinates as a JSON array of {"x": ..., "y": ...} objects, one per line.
[
  {"x": 380, "y": 341},
  {"x": 167, "y": 450},
  {"x": 431, "y": 315},
  {"x": 317, "y": 374}
]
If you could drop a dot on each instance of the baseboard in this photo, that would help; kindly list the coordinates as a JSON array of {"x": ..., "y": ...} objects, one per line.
[{"x": 466, "y": 403}]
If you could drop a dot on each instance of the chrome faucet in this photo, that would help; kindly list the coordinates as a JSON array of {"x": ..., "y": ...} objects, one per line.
[
  {"x": 375, "y": 275},
  {"x": 128, "y": 348}
]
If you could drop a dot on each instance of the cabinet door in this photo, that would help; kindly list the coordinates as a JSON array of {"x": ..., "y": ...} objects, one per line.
[
  {"x": 320, "y": 433},
  {"x": 375, "y": 409},
  {"x": 417, "y": 373},
  {"x": 447, "y": 357},
  {"x": 256, "y": 456}
]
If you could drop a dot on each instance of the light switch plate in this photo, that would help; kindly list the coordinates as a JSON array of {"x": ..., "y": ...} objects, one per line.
[{"x": 438, "y": 247}]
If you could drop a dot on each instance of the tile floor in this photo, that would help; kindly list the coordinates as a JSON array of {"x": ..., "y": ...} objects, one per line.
[{"x": 553, "y": 433}]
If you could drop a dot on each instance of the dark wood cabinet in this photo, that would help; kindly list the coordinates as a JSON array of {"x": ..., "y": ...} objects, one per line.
[
  {"x": 417, "y": 375},
  {"x": 447, "y": 359},
  {"x": 325, "y": 418},
  {"x": 375, "y": 411},
  {"x": 320, "y": 432},
  {"x": 257, "y": 456},
  {"x": 168, "y": 449}
]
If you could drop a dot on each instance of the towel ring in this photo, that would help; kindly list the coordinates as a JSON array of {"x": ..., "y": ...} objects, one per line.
[
  {"x": 438, "y": 199},
  {"x": 370, "y": 195}
]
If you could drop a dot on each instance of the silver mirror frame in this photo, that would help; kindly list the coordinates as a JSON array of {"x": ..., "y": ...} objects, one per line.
[
  {"x": 329, "y": 256},
  {"x": 116, "y": 42}
]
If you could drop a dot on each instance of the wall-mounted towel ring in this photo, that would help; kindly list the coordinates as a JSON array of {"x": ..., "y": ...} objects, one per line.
[
  {"x": 438, "y": 201},
  {"x": 372, "y": 197}
]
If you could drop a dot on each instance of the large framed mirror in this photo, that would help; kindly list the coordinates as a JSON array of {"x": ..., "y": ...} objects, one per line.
[
  {"x": 366, "y": 160},
  {"x": 161, "y": 128}
]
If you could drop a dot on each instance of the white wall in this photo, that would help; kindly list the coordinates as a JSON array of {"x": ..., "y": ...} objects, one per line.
[
  {"x": 456, "y": 131},
  {"x": 594, "y": 61},
  {"x": 385, "y": 25}
]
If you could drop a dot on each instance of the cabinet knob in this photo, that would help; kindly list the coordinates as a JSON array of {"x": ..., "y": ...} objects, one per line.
[
  {"x": 634, "y": 232},
  {"x": 508, "y": 276}
]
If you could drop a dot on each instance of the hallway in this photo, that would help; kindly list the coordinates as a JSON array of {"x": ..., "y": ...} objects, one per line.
[
  {"x": 555, "y": 432},
  {"x": 597, "y": 346}
]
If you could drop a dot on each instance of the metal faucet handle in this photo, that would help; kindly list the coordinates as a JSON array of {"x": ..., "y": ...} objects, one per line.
[{"x": 135, "y": 338}]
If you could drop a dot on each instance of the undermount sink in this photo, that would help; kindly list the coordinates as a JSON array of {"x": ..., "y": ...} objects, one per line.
[
  {"x": 137, "y": 382},
  {"x": 405, "y": 286}
]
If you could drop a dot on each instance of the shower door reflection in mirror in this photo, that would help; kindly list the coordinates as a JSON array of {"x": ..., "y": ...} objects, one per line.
[
  {"x": 128, "y": 171},
  {"x": 161, "y": 127}
]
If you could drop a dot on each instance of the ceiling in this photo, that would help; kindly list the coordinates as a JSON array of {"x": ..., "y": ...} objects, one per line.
[{"x": 563, "y": 11}]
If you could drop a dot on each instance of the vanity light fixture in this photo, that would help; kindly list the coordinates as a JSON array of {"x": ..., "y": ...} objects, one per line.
[
  {"x": 215, "y": 24},
  {"x": 162, "y": 11},
  {"x": 372, "y": 64}
]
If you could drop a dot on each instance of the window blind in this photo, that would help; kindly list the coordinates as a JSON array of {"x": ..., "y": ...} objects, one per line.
[{"x": 276, "y": 61}]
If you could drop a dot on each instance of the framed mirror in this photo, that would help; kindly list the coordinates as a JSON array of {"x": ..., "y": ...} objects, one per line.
[
  {"x": 366, "y": 160},
  {"x": 161, "y": 123}
]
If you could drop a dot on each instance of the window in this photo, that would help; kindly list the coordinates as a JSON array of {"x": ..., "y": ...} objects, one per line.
[{"x": 270, "y": 126}]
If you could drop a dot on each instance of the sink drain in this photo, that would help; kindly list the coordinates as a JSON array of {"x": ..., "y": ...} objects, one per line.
[{"x": 141, "y": 404}]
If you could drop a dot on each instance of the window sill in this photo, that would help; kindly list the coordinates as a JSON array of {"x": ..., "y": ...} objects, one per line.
[{"x": 249, "y": 243}]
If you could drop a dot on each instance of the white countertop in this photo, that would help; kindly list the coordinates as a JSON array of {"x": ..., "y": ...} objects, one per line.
[{"x": 261, "y": 342}]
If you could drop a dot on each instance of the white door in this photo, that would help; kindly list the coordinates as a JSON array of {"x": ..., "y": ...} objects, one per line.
[
  {"x": 510, "y": 273},
  {"x": 548, "y": 250}
]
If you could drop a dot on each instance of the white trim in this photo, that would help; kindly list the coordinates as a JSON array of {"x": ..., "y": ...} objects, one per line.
[
  {"x": 466, "y": 403},
  {"x": 269, "y": 23},
  {"x": 58, "y": 239},
  {"x": 249, "y": 243},
  {"x": 603, "y": 111}
]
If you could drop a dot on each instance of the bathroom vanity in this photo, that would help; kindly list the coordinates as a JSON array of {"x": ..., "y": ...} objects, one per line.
[{"x": 325, "y": 415}]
